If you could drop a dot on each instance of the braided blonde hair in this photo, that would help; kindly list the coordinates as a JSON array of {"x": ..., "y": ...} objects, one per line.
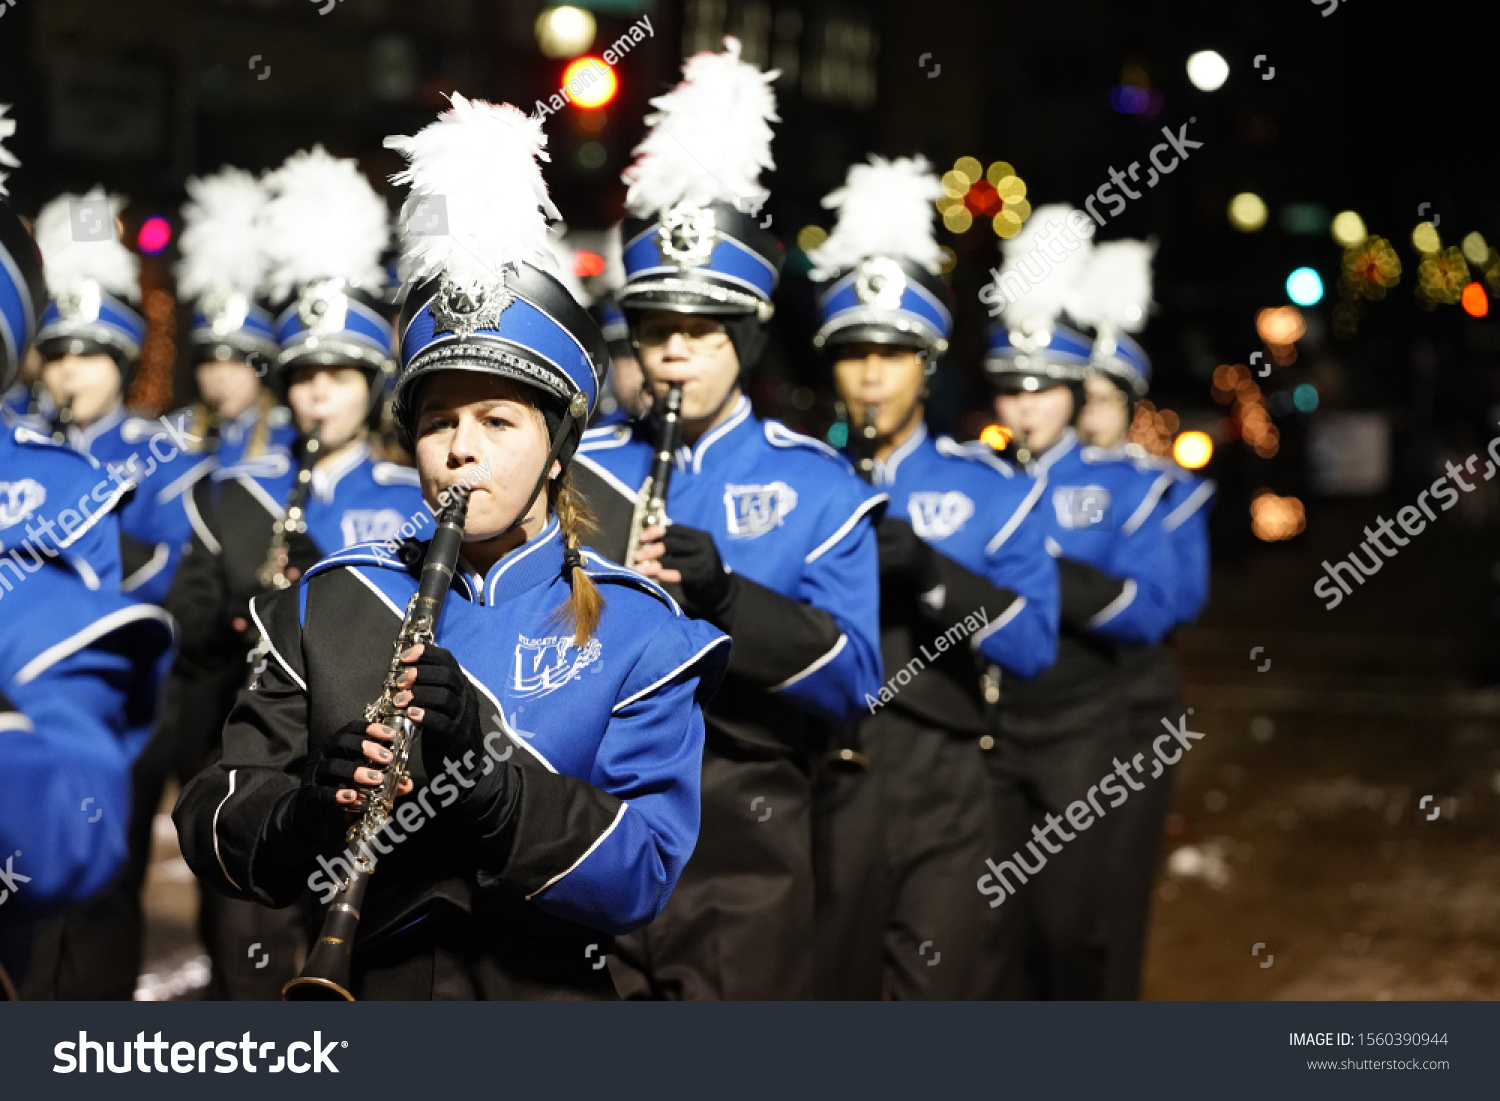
[{"x": 576, "y": 520}]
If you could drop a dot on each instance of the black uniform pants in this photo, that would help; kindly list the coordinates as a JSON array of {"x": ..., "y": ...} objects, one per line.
[
  {"x": 906, "y": 857},
  {"x": 1155, "y": 693},
  {"x": 452, "y": 956},
  {"x": 94, "y": 952},
  {"x": 1064, "y": 901},
  {"x": 740, "y": 925}
]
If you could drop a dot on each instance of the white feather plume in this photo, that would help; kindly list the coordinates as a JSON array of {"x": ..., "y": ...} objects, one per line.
[
  {"x": 886, "y": 209},
  {"x": 1115, "y": 290},
  {"x": 710, "y": 137},
  {"x": 322, "y": 220},
  {"x": 1043, "y": 267},
  {"x": 220, "y": 242},
  {"x": 7, "y": 158},
  {"x": 68, "y": 263},
  {"x": 482, "y": 159}
]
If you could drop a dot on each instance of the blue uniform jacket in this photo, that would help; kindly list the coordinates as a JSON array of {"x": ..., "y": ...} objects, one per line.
[
  {"x": 979, "y": 511},
  {"x": 158, "y": 457},
  {"x": 80, "y": 666},
  {"x": 608, "y": 737},
  {"x": 1186, "y": 507},
  {"x": 788, "y": 513},
  {"x": 353, "y": 500},
  {"x": 1107, "y": 513},
  {"x": 57, "y": 502},
  {"x": 235, "y": 435}
]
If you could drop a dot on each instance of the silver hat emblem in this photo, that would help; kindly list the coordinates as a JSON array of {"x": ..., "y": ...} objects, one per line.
[
  {"x": 880, "y": 282},
  {"x": 81, "y": 302},
  {"x": 323, "y": 305},
  {"x": 687, "y": 234},
  {"x": 225, "y": 309},
  {"x": 462, "y": 310}
]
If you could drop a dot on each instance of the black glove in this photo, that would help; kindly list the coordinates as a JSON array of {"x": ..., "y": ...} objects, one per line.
[
  {"x": 905, "y": 557},
  {"x": 490, "y": 790},
  {"x": 707, "y": 587},
  {"x": 450, "y": 705},
  {"x": 311, "y": 818}
]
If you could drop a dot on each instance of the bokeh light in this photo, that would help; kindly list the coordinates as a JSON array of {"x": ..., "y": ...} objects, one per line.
[
  {"x": 595, "y": 92},
  {"x": 1425, "y": 238},
  {"x": 1476, "y": 248},
  {"x": 1193, "y": 449},
  {"x": 1305, "y": 287},
  {"x": 1207, "y": 70},
  {"x": 998, "y": 171},
  {"x": 1348, "y": 228},
  {"x": 1282, "y": 325},
  {"x": 996, "y": 436},
  {"x": 1475, "y": 302},
  {"x": 155, "y": 235},
  {"x": 587, "y": 264},
  {"x": 1305, "y": 398},
  {"x": 564, "y": 31},
  {"x": 1247, "y": 212},
  {"x": 1274, "y": 518},
  {"x": 810, "y": 237}
]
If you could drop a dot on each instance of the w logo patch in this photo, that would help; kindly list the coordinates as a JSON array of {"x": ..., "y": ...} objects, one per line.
[
  {"x": 370, "y": 525},
  {"x": 544, "y": 665},
  {"x": 939, "y": 515},
  {"x": 755, "y": 510},
  {"x": 18, "y": 500}
]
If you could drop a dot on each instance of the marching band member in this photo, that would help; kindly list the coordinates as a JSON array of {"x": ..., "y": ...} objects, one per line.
[
  {"x": 769, "y": 536},
  {"x": 527, "y": 859},
  {"x": 1114, "y": 298},
  {"x": 91, "y": 338},
  {"x": 260, "y": 524},
  {"x": 233, "y": 338},
  {"x": 963, "y": 572},
  {"x": 1069, "y": 728},
  {"x": 79, "y": 663}
]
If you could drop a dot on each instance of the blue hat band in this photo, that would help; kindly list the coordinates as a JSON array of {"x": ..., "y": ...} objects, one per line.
[
  {"x": 117, "y": 326},
  {"x": 523, "y": 328},
  {"x": 17, "y": 312},
  {"x": 840, "y": 306},
  {"x": 1127, "y": 360},
  {"x": 612, "y": 321},
  {"x": 730, "y": 261},
  {"x": 365, "y": 336}
]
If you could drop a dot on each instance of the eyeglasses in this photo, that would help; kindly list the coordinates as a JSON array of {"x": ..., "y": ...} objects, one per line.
[{"x": 701, "y": 334}]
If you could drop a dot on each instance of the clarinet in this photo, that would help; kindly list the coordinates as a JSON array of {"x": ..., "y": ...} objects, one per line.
[
  {"x": 651, "y": 503},
  {"x": 325, "y": 975},
  {"x": 843, "y": 754},
  {"x": 864, "y": 449},
  {"x": 62, "y": 420},
  {"x": 273, "y": 571}
]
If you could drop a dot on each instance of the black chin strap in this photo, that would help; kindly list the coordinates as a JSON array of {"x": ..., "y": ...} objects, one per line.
[{"x": 567, "y": 431}]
